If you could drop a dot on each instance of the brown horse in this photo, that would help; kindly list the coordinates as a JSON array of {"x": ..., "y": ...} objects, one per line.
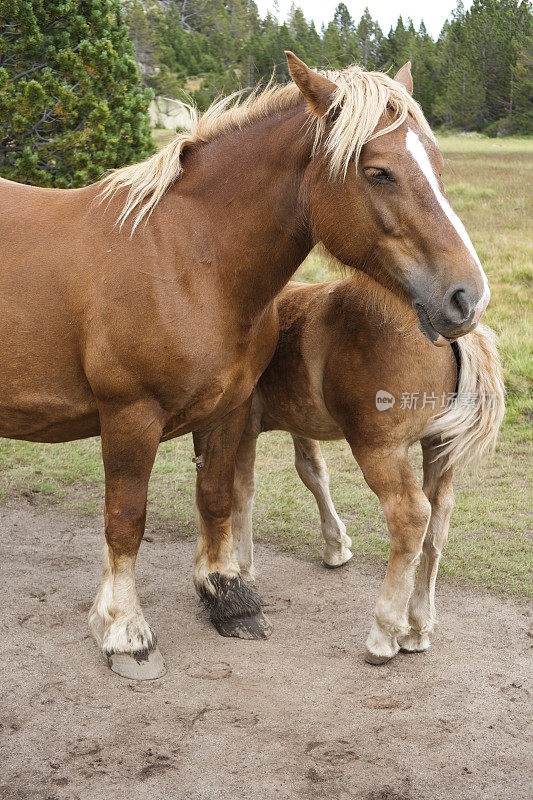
[
  {"x": 349, "y": 365},
  {"x": 143, "y": 332}
]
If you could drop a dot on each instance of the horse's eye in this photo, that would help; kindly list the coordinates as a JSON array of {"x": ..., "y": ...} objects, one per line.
[{"x": 379, "y": 175}]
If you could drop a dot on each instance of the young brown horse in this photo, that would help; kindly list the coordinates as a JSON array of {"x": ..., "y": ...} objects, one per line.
[
  {"x": 349, "y": 365},
  {"x": 143, "y": 332}
]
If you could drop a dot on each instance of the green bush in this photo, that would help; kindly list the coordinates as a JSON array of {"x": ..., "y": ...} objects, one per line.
[{"x": 71, "y": 104}]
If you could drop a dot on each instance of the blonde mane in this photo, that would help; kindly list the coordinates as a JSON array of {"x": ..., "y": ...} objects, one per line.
[{"x": 357, "y": 107}]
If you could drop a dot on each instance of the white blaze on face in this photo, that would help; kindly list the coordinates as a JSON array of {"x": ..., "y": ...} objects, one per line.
[{"x": 418, "y": 151}]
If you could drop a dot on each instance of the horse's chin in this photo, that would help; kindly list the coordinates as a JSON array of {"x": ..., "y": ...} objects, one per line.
[
  {"x": 425, "y": 325},
  {"x": 442, "y": 341}
]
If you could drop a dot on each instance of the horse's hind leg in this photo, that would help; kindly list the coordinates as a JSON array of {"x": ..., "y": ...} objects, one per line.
[
  {"x": 407, "y": 510},
  {"x": 235, "y": 610},
  {"x": 242, "y": 507},
  {"x": 439, "y": 490},
  {"x": 313, "y": 471},
  {"x": 130, "y": 438}
]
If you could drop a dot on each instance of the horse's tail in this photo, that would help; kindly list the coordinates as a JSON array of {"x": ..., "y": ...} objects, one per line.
[{"x": 467, "y": 430}]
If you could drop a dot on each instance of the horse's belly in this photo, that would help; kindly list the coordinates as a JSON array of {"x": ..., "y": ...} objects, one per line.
[
  {"x": 44, "y": 394},
  {"x": 41, "y": 418},
  {"x": 300, "y": 416}
]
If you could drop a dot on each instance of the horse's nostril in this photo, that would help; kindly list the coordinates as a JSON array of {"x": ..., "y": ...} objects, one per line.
[
  {"x": 458, "y": 305},
  {"x": 460, "y": 301}
]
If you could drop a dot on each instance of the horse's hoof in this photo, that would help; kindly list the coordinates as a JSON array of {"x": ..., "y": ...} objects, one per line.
[
  {"x": 342, "y": 560},
  {"x": 414, "y": 642},
  {"x": 372, "y": 658},
  {"x": 254, "y": 627},
  {"x": 141, "y": 667},
  {"x": 235, "y": 610}
]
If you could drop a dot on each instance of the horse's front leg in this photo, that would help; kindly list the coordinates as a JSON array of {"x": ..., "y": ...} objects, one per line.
[
  {"x": 130, "y": 438},
  {"x": 407, "y": 510},
  {"x": 235, "y": 610}
]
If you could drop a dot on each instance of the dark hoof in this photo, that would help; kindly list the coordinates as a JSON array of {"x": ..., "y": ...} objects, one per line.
[
  {"x": 256, "y": 627},
  {"x": 234, "y": 609},
  {"x": 141, "y": 667}
]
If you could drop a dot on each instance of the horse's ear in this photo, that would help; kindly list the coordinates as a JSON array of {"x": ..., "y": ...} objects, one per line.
[
  {"x": 404, "y": 77},
  {"x": 316, "y": 89}
]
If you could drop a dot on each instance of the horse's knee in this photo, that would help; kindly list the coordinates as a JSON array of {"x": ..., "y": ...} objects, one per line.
[
  {"x": 213, "y": 500},
  {"x": 418, "y": 510},
  {"x": 124, "y": 528},
  {"x": 408, "y": 518},
  {"x": 311, "y": 471}
]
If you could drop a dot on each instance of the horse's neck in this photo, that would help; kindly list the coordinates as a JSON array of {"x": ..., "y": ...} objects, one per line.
[{"x": 251, "y": 218}]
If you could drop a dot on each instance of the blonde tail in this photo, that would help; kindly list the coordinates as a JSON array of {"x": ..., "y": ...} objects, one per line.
[{"x": 467, "y": 430}]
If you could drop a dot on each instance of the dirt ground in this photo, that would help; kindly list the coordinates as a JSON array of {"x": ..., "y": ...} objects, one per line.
[{"x": 298, "y": 716}]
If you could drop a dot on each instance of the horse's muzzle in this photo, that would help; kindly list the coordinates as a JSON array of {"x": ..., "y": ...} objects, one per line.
[{"x": 457, "y": 315}]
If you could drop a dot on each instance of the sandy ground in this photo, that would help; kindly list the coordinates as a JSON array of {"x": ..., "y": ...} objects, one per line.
[{"x": 298, "y": 716}]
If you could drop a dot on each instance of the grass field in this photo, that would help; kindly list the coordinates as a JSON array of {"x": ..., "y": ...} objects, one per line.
[{"x": 490, "y": 183}]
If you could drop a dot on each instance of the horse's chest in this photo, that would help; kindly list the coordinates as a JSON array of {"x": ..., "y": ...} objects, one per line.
[
  {"x": 209, "y": 400},
  {"x": 217, "y": 381}
]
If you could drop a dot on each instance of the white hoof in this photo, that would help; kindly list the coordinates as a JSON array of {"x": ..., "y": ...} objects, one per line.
[
  {"x": 382, "y": 654},
  {"x": 373, "y": 658},
  {"x": 414, "y": 642},
  {"x": 337, "y": 552},
  {"x": 147, "y": 667},
  {"x": 380, "y": 646},
  {"x": 336, "y": 558}
]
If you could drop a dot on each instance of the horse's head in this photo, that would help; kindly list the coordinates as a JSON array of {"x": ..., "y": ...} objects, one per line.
[{"x": 376, "y": 198}]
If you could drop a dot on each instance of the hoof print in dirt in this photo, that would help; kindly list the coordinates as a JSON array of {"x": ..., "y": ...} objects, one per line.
[{"x": 234, "y": 609}]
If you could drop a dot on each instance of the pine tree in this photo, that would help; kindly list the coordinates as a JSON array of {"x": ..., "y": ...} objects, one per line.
[
  {"x": 268, "y": 49},
  {"x": 399, "y": 46},
  {"x": 142, "y": 19},
  {"x": 70, "y": 101},
  {"x": 340, "y": 43},
  {"x": 461, "y": 101},
  {"x": 497, "y": 28},
  {"x": 308, "y": 44},
  {"x": 426, "y": 78},
  {"x": 479, "y": 54},
  {"x": 368, "y": 36},
  {"x": 475, "y": 76}
]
